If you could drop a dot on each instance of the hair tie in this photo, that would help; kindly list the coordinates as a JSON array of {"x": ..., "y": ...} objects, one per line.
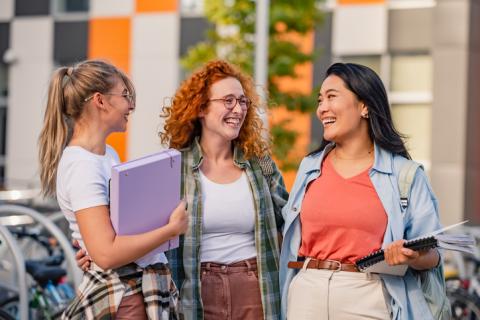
[{"x": 65, "y": 80}]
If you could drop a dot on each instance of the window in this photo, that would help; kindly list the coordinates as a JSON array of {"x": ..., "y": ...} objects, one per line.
[
  {"x": 415, "y": 122},
  {"x": 61, "y": 7},
  {"x": 411, "y": 98},
  {"x": 411, "y": 73}
]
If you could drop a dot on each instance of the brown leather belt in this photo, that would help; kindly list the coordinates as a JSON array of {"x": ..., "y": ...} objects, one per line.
[{"x": 324, "y": 264}]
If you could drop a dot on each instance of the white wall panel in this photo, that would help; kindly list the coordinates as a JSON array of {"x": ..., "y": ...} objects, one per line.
[
  {"x": 111, "y": 8},
  {"x": 31, "y": 41},
  {"x": 359, "y": 30},
  {"x": 155, "y": 70},
  {"x": 6, "y": 10}
]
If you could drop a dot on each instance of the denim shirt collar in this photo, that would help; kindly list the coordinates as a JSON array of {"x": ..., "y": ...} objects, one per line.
[{"x": 383, "y": 161}]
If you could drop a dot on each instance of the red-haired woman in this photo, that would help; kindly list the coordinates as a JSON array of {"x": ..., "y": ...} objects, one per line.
[{"x": 227, "y": 263}]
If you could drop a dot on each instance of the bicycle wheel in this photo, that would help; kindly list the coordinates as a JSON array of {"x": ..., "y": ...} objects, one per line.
[
  {"x": 10, "y": 306},
  {"x": 464, "y": 305},
  {"x": 5, "y": 316}
]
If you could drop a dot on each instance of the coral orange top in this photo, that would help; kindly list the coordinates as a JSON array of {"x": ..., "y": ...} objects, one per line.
[{"x": 342, "y": 219}]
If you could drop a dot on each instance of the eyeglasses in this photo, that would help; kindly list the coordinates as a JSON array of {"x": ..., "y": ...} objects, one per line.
[
  {"x": 127, "y": 96},
  {"x": 230, "y": 102}
]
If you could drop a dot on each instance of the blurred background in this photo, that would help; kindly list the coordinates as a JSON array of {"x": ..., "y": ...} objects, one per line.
[{"x": 427, "y": 53}]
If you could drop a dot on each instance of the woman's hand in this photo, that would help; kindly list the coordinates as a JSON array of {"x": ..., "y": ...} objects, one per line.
[
  {"x": 179, "y": 219},
  {"x": 396, "y": 254},
  {"x": 83, "y": 260}
]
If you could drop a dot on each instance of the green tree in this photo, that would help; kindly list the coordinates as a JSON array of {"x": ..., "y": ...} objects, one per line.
[{"x": 232, "y": 38}]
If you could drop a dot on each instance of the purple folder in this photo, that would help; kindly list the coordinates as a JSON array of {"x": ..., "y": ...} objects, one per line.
[{"x": 143, "y": 194}]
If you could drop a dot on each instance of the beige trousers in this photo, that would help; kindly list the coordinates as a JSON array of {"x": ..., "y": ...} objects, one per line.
[{"x": 336, "y": 295}]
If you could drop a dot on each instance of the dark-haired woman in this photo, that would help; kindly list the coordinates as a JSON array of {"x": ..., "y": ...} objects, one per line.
[{"x": 345, "y": 204}]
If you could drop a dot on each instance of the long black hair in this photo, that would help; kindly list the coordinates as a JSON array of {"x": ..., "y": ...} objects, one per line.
[{"x": 369, "y": 89}]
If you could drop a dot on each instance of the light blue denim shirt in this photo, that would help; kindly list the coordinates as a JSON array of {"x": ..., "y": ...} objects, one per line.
[{"x": 406, "y": 300}]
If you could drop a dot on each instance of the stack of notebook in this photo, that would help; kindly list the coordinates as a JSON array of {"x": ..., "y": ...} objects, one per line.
[{"x": 375, "y": 262}]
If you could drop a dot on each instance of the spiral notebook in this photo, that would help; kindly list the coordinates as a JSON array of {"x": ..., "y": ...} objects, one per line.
[{"x": 375, "y": 261}]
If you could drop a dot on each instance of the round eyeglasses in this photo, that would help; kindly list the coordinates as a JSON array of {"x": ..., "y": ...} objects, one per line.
[
  {"x": 231, "y": 101},
  {"x": 128, "y": 96}
]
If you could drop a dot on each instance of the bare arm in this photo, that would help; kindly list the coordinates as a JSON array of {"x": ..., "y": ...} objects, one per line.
[{"x": 108, "y": 250}]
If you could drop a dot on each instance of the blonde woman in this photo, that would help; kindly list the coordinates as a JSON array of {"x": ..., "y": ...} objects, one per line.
[{"x": 86, "y": 103}]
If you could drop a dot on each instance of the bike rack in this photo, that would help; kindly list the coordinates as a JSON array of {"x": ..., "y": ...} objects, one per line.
[
  {"x": 54, "y": 231},
  {"x": 22, "y": 274}
]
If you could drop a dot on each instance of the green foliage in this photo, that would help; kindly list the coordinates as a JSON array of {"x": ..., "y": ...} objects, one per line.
[{"x": 233, "y": 38}]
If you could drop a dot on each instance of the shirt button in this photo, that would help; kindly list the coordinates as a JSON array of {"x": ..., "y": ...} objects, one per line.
[{"x": 295, "y": 209}]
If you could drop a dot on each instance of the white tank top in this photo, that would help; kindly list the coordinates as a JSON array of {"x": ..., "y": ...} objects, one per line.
[{"x": 228, "y": 221}]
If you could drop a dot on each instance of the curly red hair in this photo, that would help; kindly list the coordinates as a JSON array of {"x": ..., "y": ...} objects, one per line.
[{"x": 182, "y": 123}]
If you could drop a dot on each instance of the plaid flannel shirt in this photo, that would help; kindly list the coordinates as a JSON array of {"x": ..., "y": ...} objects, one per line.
[
  {"x": 269, "y": 194},
  {"x": 101, "y": 291}
]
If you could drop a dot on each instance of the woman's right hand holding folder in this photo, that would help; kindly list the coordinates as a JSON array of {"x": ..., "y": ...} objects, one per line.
[{"x": 179, "y": 219}]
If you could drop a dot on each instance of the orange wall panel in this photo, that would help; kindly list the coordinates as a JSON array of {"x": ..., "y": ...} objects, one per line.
[
  {"x": 109, "y": 39},
  {"x": 156, "y": 6},
  {"x": 300, "y": 122},
  {"x": 360, "y": 1},
  {"x": 303, "y": 83}
]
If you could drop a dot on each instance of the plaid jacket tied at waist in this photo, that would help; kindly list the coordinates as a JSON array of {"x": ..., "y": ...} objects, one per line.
[{"x": 101, "y": 291}]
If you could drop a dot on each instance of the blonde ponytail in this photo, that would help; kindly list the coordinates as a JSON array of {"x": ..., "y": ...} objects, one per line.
[{"x": 53, "y": 136}]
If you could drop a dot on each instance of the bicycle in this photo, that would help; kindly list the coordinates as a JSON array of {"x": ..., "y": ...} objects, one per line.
[
  {"x": 463, "y": 283},
  {"x": 464, "y": 305},
  {"x": 50, "y": 293}
]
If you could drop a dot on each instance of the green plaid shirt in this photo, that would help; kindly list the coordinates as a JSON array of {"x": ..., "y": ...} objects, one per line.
[{"x": 269, "y": 194}]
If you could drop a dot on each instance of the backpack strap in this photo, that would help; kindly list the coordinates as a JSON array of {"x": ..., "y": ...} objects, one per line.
[
  {"x": 405, "y": 180},
  {"x": 266, "y": 166}
]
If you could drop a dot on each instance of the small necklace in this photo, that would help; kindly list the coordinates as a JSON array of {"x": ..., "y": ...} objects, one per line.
[{"x": 357, "y": 158}]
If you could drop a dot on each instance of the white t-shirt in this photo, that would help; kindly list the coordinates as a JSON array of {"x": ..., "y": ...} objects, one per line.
[
  {"x": 83, "y": 180},
  {"x": 228, "y": 221}
]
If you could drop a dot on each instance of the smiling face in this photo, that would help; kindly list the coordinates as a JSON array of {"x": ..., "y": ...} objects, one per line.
[
  {"x": 340, "y": 111},
  {"x": 120, "y": 105},
  {"x": 217, "y": 121}
]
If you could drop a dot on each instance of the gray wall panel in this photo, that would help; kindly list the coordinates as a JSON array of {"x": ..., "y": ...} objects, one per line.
[
  {"x": 70, "y": 42},
  {"x": 192, "y": 31},
  {"x": 32, "y": 7},
  {"x": 323, "y": 43},
  {"x": 472, "y": 178},
  {"x": 449, "y": 109},
  {"x": 4, "y": 37},
  {"x": 410, "y": 30}
]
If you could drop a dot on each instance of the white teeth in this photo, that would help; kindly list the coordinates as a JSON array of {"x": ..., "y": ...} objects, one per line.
[
  {"x": 328, "y": 121},
  {"x": 234, "y": 121}
]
